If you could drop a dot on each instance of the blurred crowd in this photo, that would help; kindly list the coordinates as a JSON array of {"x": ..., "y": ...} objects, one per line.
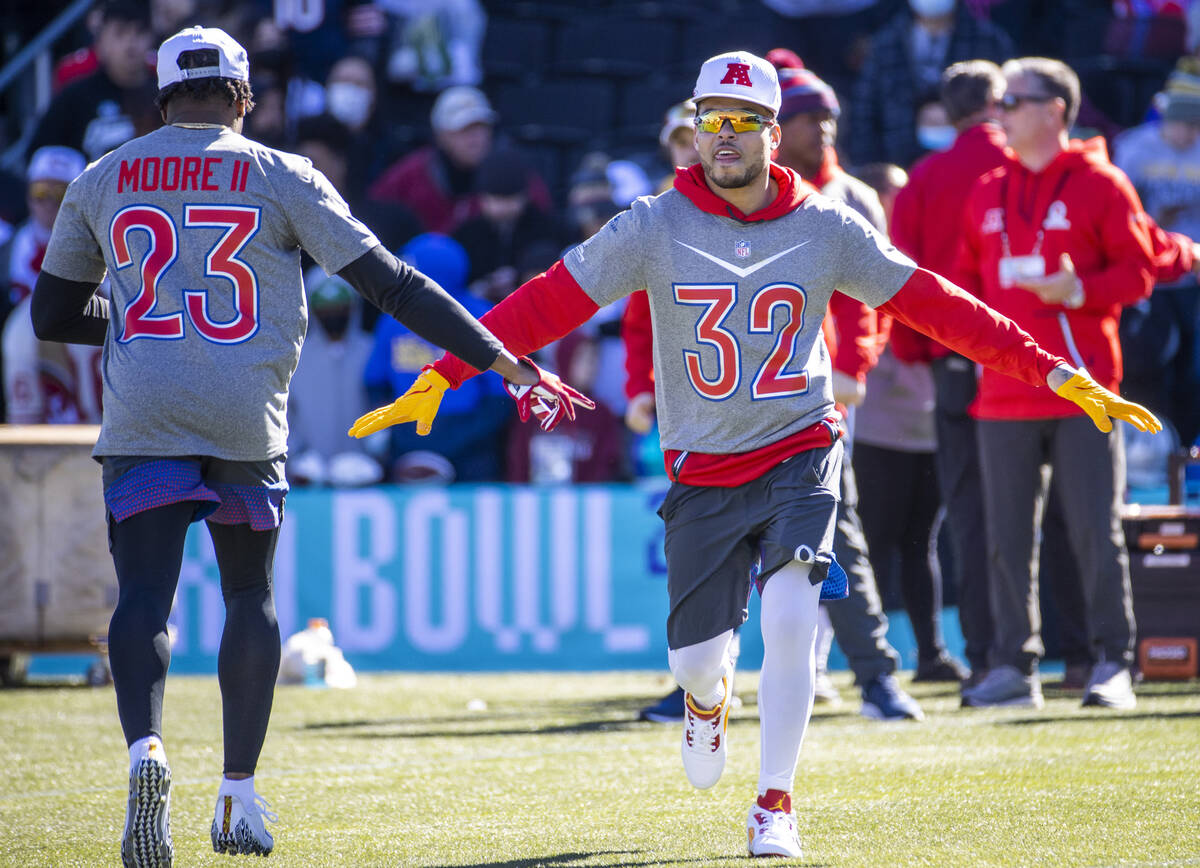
[{"x": 396, "y": 102}]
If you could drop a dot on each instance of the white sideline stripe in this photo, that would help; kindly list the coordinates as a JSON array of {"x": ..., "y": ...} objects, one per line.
[{"x": 308, "y": 771}]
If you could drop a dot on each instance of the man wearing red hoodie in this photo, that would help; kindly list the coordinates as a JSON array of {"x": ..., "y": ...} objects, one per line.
[
  {"x": 927, "y": 225},
  {"x": 739, "y": 263},
  {"x": 1055, "y": 239}
]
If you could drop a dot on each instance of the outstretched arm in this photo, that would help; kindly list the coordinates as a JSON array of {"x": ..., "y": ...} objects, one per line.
[
  {"x": 934, "y": 306},
  {"x": 528, "y": 319},
  {"x": 419, "y": 304},
  {"x": 540, "y": 311}
]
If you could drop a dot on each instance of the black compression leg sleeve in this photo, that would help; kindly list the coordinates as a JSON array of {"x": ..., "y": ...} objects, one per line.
[
  {"x": 147, "y": 550},
  {"x": 248, "y": 661}
]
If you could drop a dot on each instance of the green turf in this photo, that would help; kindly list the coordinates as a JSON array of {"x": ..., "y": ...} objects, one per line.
[{"x": 556, "y": 772}]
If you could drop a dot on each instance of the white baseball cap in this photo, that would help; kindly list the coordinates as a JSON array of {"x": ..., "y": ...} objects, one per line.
[
  {"x": 460, "y": 106},
  {"x": 678, "y": 117},
  {"x": 55, "y": 163},
  {"x": 741, "y": 75},
  {"x": 231, "y": 57}
]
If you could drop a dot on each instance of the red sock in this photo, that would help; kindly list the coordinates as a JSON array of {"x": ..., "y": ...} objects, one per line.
[{"x": 776, "y": 800}]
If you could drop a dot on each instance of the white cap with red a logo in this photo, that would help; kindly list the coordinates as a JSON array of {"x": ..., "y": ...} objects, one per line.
[{"x": 740, "y": 75}]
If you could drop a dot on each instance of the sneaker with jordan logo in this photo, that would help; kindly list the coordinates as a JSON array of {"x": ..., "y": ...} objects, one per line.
[
  {"x": 238, "y": 825},
  {"x": 703, "y": 746},
  {"x": 146, "y": 842},
  {"x": 771, "y": 828}
]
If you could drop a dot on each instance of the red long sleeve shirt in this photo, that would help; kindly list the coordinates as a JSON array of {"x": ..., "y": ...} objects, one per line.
[{"x": 553, "y": 304}]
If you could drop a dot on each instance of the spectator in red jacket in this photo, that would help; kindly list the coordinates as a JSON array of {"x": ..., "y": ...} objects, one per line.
[
  {"x": 437, "y": 182},
  {"x": 1057, "y": 240},
  {"x": 927, "y": 225}
]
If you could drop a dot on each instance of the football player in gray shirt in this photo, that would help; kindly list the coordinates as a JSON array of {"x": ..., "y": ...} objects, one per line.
[
  {"x": 739, "y": 261},
  {"x": 200, "y": 231}
]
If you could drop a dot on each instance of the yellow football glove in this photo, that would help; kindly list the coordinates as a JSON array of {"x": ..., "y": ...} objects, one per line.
[
  {"x": 419, "y": 404},
  {"x": 1099, "y": 404}
]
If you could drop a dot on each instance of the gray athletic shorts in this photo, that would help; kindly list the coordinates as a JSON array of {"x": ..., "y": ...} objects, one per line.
[{"x": 719, "y": 540}]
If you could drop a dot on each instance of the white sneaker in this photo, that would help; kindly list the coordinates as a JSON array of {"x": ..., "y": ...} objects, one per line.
[
  {"x": 239, "y": 828},
  {"x": 146, "y": 842},
  {"x": 772, "y": 833},
  {"x": 824, "y": 692},
  {"x": 703, "y": 746},
  {"x": 1110, "y": 686}
]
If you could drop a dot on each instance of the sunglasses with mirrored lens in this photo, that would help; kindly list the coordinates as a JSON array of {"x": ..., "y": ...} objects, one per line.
[
  {"x": 1012, "y": 101},
  {"x": 740, "y": 120}
]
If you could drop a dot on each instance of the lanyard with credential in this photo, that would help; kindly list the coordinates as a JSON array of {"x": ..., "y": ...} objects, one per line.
[
  {"x": 1063, "y": 324},
  {"x": 1005, "y": 248}
]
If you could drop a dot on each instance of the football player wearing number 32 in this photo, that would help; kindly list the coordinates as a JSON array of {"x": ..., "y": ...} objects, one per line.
[
  {"x": 739, "y": 261},
  {"x": 200, "y": 231}
]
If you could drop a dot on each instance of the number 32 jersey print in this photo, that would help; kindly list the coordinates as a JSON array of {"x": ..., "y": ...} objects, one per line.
[
  {"x": 739, "y": 361},
  {"x": 200, "y": 230}
]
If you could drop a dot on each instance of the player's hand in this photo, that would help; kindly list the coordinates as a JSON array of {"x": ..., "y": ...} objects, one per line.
[
  {"x": 639, "y": 413},
  {"x": 419, "y": 404},
  {"x": 550, "y": 400},
  {"x": 1055, "y": 288},
  {"x": 1099, "y": 403},
  {"x": 847, "y": 390}
]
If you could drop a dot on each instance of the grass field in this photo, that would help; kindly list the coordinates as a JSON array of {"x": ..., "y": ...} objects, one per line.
[{"x": 556, "y": 772}]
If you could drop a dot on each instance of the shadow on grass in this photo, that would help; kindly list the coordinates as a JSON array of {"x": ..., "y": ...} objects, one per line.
[
  {"x": 577, "y": 860},
  {"x": 412, "y": 727},
  {"x": 1099, "y": 717}
]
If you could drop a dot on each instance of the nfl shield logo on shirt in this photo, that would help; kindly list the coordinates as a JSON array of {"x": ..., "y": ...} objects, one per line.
[{"x": 742, "y": 249}]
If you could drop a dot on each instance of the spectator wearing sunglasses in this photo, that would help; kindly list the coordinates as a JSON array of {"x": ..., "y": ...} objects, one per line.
[
  {"x": 1055, "y": 239},
  {"x": 43, "y": 381}
]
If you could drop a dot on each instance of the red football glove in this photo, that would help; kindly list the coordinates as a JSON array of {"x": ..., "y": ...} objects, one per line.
[{"x": 550, "y": 400}]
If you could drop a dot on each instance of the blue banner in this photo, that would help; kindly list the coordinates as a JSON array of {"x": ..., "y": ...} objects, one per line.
[{"x": 461, "y": 577}]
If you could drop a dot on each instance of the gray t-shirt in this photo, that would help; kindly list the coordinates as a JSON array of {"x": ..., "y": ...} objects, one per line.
[
  {"x": 739, "y": 360},
  {"x": 200, "y": 230}
]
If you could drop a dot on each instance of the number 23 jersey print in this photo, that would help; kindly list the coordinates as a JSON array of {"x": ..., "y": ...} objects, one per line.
[
  {"x": 200, "y": 230},
  {"x": 737, "y": 306}
]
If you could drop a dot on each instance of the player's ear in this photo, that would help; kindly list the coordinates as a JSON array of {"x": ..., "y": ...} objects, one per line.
[{"x": 776, "y": 135}]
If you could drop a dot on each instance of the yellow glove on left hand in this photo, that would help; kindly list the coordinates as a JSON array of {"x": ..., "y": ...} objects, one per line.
[
  {"x": 1099, "y": 404},
  {"x": 419, "y": 404}
]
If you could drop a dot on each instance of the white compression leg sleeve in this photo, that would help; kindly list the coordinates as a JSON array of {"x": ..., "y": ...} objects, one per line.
[
  {"x": 785, "y": 687},
  {"x": 698, "y": 668}
]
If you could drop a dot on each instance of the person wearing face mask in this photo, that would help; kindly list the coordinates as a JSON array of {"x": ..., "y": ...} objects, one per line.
[
  {"x": 327, "y": 391},
  {"x": 934, "y": 130},
  {"x": 906, "y": 59},
  {"x": 927, "y": 225},
  {"x": 351, "y": 96}
]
